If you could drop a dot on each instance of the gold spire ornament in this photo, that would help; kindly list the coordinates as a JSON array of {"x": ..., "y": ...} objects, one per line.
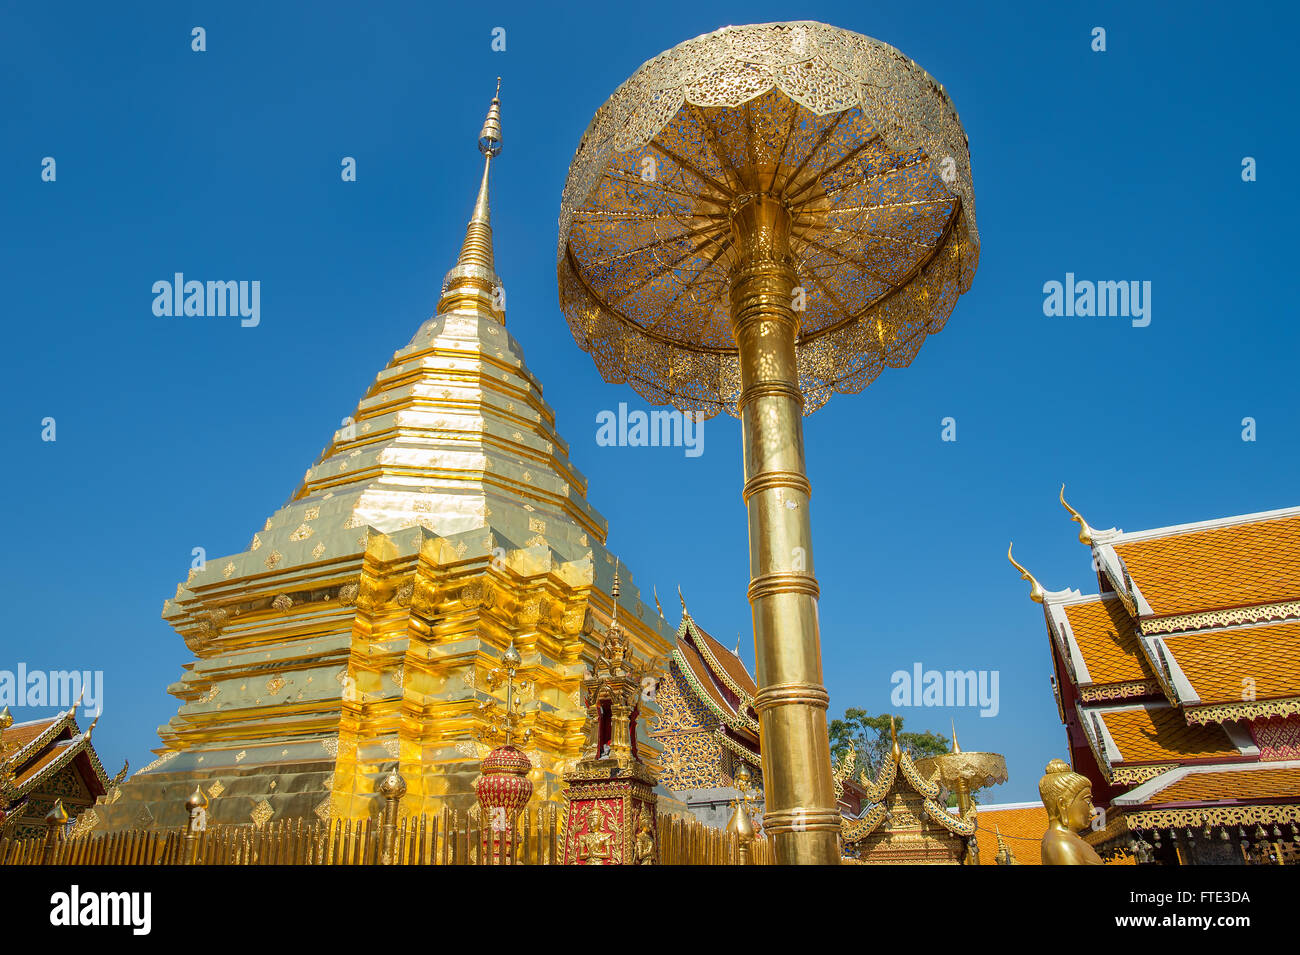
[
  {"x": 474, "y": 279},
  {"x": 1085, "y": 532},
  {"x": 1036, "y": 591},
  {"x": 755, "y": 220}
]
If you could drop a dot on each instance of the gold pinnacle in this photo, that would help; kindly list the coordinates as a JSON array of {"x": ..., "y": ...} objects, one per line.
[
  {"x": 1085, "y": 532},
  {"x": 1036, "y": 591}
]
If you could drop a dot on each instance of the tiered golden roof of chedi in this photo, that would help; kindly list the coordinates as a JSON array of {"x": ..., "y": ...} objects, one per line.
[
  {"x": 42, "y": 761},
  {"x": 1178, "y": 685},
  {"x": 355, "y": 632}
]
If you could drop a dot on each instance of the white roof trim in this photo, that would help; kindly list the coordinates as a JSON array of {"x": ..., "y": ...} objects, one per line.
[
  {"x": 1240, "y": 737},
  {"x": 1258, "y": 516},
  {"x": 1113, "y": 755},
  {"x": 1007, "y": 806},
  {"x": 1183, "y": 688},
  {"x": 1073, "y": 597},
  {"x": 1065, "y": 633}
]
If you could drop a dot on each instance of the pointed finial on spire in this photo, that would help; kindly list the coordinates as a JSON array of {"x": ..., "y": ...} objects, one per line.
[
  {"x": 474, "y": 280},
  {"x": 736, "y": 652},
  {"x": 1085, "y": 532},
  {"x": 956, "y": 747},
  {"x": 614, "y": 593},
  {"x": 1036, "y": 591}
]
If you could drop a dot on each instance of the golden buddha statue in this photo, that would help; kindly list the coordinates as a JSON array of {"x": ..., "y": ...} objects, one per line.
[
  {"x": 645, "y": 842},
  {"x": 1067, "y": 796},
  {"x": 596, "y": 845}
]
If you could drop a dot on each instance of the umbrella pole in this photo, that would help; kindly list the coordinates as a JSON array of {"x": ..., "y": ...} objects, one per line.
[{"x": 800, "y": 812}]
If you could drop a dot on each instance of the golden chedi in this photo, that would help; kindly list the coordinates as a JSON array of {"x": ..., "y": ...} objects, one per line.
[
  {"x": 358, "y": 631},
  {"x": 1067, "y": 797}
]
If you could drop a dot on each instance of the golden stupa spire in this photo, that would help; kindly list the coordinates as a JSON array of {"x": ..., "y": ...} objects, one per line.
[
  {"x": 1036, "y": 591},
  {"x": 1085, "y": 532},
  {"x": 956, "y": 747},
  {"x": 474, "y": 280},
  {"x": 613, "y": 623}
]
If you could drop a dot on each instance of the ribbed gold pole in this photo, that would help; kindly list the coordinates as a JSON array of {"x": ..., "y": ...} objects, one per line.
[{"x": 800, "y": 813}]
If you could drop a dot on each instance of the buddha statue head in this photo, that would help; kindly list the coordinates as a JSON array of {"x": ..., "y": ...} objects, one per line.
[{"x": 1067, "y": 796}]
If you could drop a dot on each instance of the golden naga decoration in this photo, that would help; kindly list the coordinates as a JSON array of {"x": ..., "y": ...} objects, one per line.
[
  {"x": 1036, "y": 591},
  {"x": 610, "y": 807},
  {"x": 1085, "y": 532},
  {"x": 1067, "y": 797},
  {"x": 757, "y": 219},
  {"x": 6, "y": 770}
]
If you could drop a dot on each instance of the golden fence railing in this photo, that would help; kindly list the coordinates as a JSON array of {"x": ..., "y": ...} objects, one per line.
[{"x": 449, "y": 837}]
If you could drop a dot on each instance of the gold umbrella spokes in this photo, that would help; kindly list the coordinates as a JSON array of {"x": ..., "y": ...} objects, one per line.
[{"x": 858, "y": 143}]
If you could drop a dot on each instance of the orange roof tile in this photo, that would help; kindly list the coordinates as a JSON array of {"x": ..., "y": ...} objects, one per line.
[
  {"x": 704, "y": 676},
  {"x": 20, "y": 734},
  {"x": 1219, "y": 661},
  {"x": 1159, "y": 734},
  {"x": 1107, "y": 640},
  {"x": 35, "y": 767},
  {"x": 1240, "y": 565},
  {"x": 1021, "y": 827},
  {"x": 1251, "y": 784},
  {"x": 729, "y": 662}
]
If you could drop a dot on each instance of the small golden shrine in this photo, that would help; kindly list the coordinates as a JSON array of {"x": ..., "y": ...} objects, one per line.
[
  {"x": 905, "y": 821},
  {"x": 610, "y": 814}
]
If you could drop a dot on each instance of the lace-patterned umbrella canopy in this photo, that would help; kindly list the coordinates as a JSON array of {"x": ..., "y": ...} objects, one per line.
[{"x": 859, "y": 143}]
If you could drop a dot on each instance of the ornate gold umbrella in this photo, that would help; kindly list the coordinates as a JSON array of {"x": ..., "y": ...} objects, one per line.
[
  {"x": 963, "y": 773},
  {"x": 757, "y": 218}
]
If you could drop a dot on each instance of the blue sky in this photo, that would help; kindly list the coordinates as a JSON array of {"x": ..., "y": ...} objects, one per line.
[{"x": 174, "y": 434}]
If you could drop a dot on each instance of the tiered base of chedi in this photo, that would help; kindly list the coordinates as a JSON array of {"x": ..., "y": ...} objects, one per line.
[{"x": 356, "y": 633}]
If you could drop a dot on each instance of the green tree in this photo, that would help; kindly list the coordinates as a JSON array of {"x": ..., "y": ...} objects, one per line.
[{"x": 869, "y": 737}]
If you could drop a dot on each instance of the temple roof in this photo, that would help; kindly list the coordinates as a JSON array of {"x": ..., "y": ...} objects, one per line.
[
  {"x": 1105, "y": 636},
  {"x": 1022, "y": 826},
  {"x": 1218, "y": 783},
  {"x": 42, "y": 748},
  {"x": 1251, "y": 559},
  {"x": 1157, "y": 733},
  {"x": 721, "y": 682},
  {"x": 1178, "y": 683},
  {"x": 1216, "y": 663}
]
